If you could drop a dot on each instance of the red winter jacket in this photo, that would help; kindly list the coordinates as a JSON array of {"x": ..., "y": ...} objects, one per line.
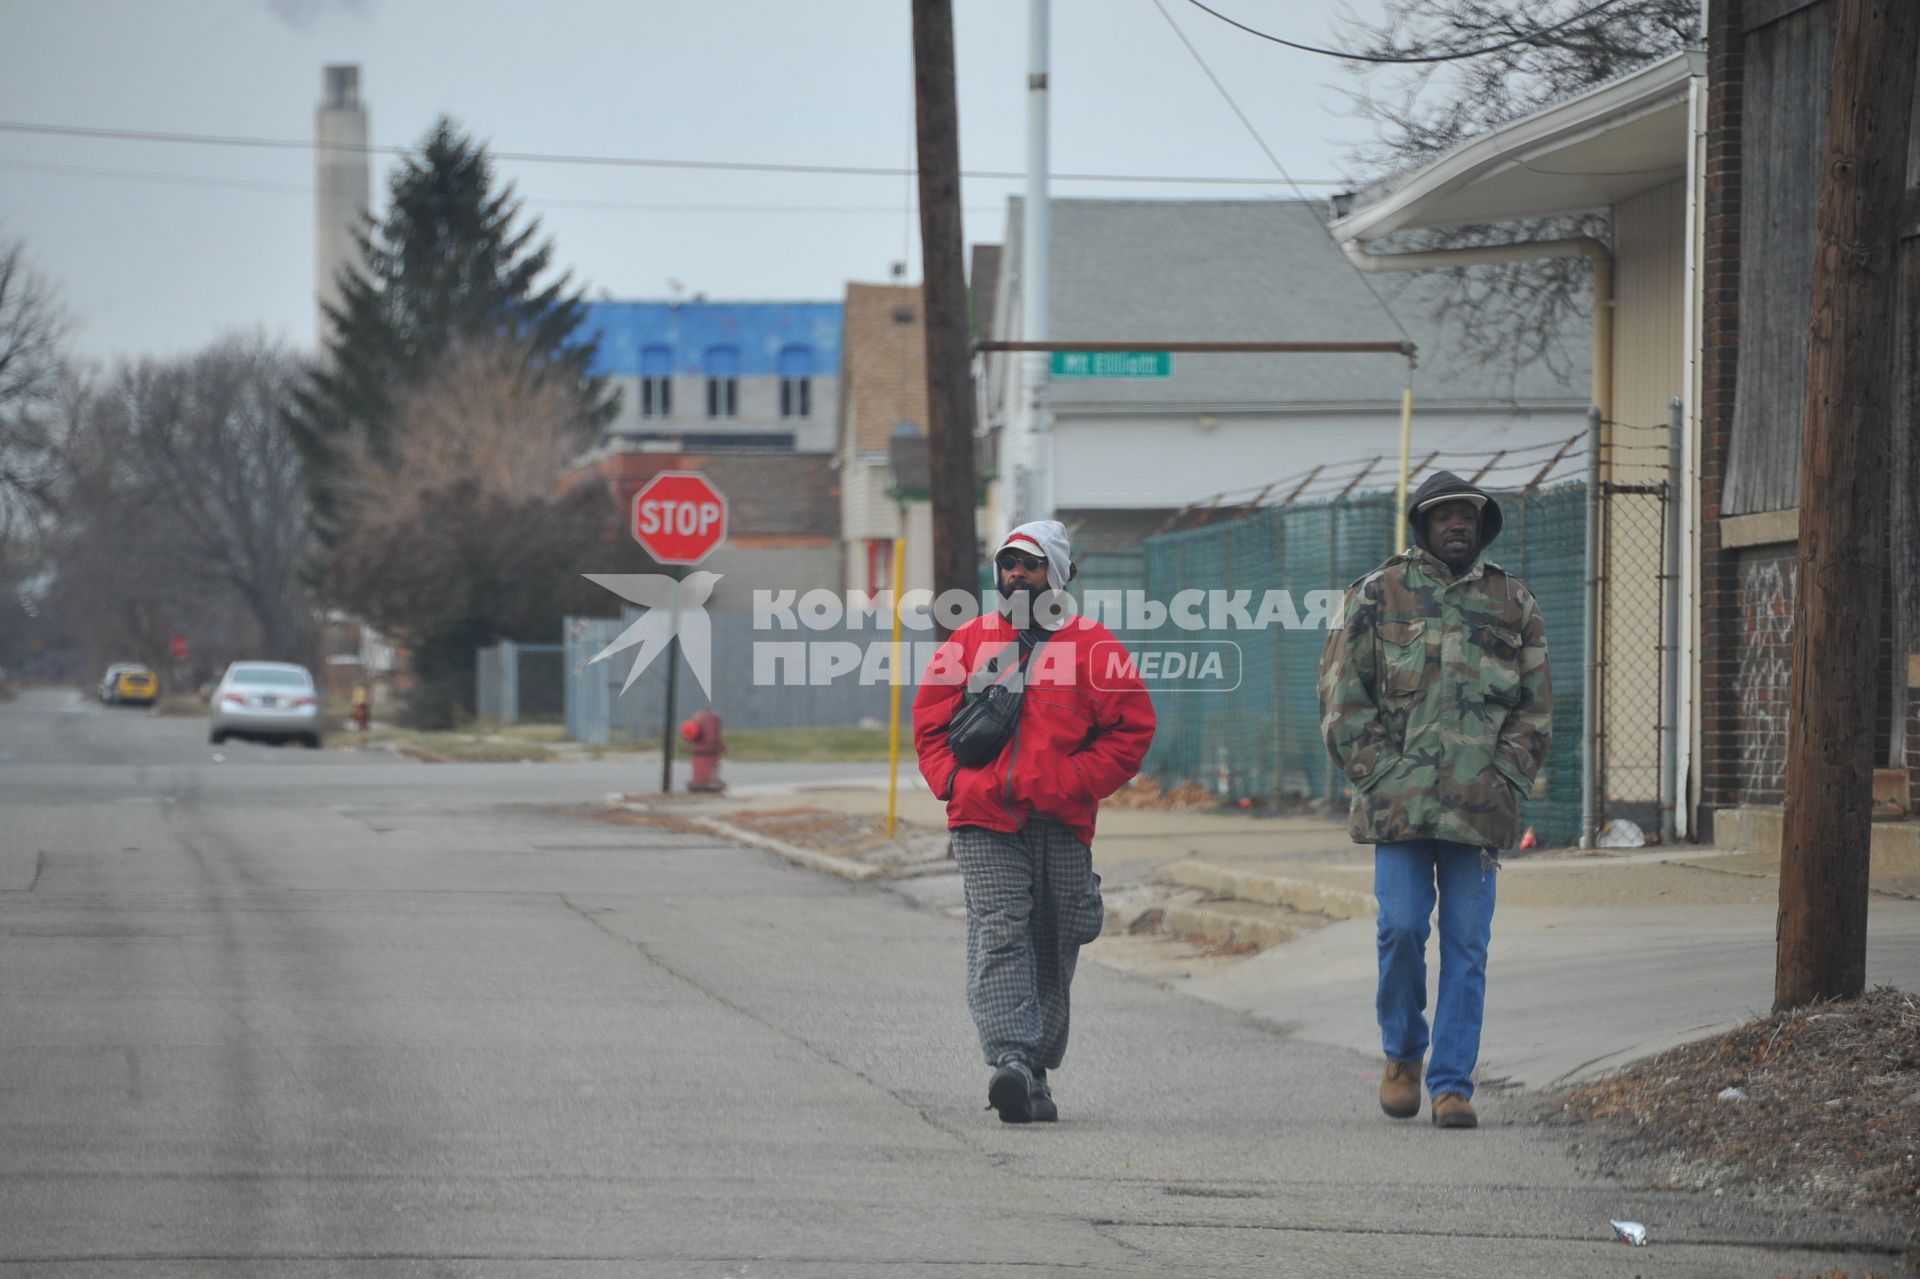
[{"x": 1085, "y": 725}]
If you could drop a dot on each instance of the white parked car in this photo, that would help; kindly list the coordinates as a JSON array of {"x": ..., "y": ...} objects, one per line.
[{"x": 274, "y": 701}]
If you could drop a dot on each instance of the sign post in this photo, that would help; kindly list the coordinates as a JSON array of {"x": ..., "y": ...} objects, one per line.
[
  {"x": 893, "y": 716},
  {"x": 177, "y": 650},
  {"x": 679, "y": 518},
  {"x": 673, "y": 683}
]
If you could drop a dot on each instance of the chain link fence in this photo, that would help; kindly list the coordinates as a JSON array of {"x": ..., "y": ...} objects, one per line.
[
  {"x": 1635, "y": 590},
  {"x": 515, "y": 682},
  {"x": 1260, "y": 740},
  {"x": 1257, "y": 739}
]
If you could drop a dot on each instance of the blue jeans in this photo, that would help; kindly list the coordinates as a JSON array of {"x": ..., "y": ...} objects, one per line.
[{"x": 1405, "y": 877}]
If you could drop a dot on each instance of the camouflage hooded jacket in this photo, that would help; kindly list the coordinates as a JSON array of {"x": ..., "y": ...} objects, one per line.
[{"x": 1435, "y": 697}]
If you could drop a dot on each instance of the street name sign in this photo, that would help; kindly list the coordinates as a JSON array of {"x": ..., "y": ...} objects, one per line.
[{"x": 1112, "y": 363}]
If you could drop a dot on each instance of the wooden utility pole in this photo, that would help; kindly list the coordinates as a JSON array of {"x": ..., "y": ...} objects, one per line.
[
  {"x": 1822, "y": 943},
  {"x": 950, "y": 405}
]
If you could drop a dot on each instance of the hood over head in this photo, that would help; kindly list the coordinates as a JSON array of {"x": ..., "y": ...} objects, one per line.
[
  {"x": 1445, "y": 486},
  {"x": 1048, "y": 539}
]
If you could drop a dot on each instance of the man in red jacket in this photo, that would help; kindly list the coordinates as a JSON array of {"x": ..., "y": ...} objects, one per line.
[{"x": 1022, "y": 823}]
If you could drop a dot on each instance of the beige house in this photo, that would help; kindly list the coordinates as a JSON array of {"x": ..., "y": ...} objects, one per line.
[{"x": 1629, "y": 150}]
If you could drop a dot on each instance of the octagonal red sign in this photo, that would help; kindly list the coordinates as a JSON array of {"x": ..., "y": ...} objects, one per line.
[{"x": 679, "y": 517}]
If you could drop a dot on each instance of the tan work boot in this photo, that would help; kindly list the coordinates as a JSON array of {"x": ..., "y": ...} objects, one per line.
[
  {"x": 1400, "y": 1088},
  {"x": 1451, "y": 1110}
]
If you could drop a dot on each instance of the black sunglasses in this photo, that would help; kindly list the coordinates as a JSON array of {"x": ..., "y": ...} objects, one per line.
[{"x": 1007, "y": 559}]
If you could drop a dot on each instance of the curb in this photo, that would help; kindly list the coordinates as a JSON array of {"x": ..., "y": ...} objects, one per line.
[
  {"x": 1303, "y": 895},
  {"x": 1893, "y": 846},
  {"x": 1225, "y": 928},
  {"x": 806, "y": 857}
]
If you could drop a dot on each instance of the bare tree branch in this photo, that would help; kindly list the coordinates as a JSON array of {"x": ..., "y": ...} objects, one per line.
[
  {"x": 33, "y": 331},
  {"x": 206, "y": 432},
  {"x": 182, "y": 509},
  {"x": 462, "y": 535},
  {"x": 1510, "y": 314}
]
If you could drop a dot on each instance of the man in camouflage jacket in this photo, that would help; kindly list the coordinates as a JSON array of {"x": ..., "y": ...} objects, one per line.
[{"x": 1436, "y": 703}]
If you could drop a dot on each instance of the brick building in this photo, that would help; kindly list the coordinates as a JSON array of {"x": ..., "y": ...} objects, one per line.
[{"x": 1769, "y": 67}]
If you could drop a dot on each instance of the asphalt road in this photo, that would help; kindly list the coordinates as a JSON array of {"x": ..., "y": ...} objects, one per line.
[{"x": 303, "y": 1014}]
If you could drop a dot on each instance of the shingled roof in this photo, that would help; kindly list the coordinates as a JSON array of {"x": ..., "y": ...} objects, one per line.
[
  {"x": 883, "y": 364},
  {"x": 1126, "y": 270}
]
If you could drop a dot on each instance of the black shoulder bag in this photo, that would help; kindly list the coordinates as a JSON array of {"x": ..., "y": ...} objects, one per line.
[{"x": 986, "y": 719}]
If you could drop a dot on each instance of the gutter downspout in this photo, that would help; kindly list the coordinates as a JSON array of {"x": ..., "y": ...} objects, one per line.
[
  {"x": 1585, "y": 246},
  {"x": 1685, "y": 482}
]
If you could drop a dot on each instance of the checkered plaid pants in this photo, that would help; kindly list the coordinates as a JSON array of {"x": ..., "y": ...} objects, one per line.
[{"x": 1032, "y": 902}]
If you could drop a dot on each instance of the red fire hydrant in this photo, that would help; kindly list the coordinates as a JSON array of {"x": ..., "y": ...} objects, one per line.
[{"x": 706, "y": 744}]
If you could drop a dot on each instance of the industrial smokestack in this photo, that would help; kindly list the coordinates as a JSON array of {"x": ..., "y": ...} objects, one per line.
[{"x": 345, "y": 173}]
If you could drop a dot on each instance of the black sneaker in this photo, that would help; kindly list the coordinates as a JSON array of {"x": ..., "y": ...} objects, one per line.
[
  {"x": 1040, "y": 1100},
  {"x": 1011, "y": 1092}
]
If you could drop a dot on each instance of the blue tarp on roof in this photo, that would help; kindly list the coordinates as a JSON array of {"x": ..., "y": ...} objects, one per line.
[{"x": 767, "y": 337}]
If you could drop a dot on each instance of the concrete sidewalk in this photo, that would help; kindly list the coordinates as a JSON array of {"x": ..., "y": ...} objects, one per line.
[
  {"x": 1139, "y": 845},
  {"x": 1598, "y": 957},
  {"x": 1572, "y": 991}
]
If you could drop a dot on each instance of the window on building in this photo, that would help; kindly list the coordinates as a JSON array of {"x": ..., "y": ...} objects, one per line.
[
  {"x": 656, "y": 382},
  {"x": 723, "y": 381},
  {"x": 796, "y": 382}
]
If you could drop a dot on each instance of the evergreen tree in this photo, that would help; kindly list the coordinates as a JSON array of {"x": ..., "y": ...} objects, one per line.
[{"x": 445, "y": 267}]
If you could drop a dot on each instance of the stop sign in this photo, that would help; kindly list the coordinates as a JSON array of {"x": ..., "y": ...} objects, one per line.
[{"x": 679, "y": 517}]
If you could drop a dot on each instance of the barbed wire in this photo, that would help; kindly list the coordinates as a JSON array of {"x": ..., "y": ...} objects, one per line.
[
  {"x": 1529, "y": 451},
  {"x": 1513, "y": 470},
  {"x": 1334, "y": 470}
]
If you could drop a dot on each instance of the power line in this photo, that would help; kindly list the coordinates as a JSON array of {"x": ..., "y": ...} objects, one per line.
[
  {"x": 291, "y": 188},
  {"x": 614, "y": 161},
  {"x": 1350, "y": 56},
  {"x": 1275, "y": 161},
  {"x": 139, "y": 175}
]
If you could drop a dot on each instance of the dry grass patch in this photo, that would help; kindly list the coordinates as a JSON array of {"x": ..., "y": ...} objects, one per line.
[
  {"x": 1144, "y": 792},
  {"x": 1828, "y": 1107}
]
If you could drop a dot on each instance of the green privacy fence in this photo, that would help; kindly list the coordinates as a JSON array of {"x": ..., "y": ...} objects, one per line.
[{"x": 1257, "y": 737}]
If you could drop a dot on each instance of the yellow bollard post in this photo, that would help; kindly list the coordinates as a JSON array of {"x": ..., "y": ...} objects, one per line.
[
  {"x": 893, "y": 720},
  {"x": 1406, "y": 460}
]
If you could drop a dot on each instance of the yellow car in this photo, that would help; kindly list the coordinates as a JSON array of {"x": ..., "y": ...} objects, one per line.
[{"x": 129, "y": 685}]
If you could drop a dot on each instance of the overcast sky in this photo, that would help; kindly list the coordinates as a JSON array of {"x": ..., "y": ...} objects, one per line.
[{"x": 159, "y": 248}]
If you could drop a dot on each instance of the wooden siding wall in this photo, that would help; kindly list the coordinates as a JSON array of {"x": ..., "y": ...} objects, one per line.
[
  {"x": 1787, "y": 68},
  {"x": 1768, "y": 62}
]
